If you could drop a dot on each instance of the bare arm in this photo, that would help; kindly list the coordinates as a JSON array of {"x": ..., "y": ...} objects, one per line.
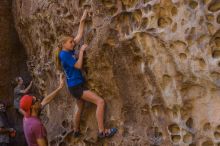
[
  {"x": 22, "y": 111},
  {"x": 42, "y": 142},
  {"x": 27, "y": 89},
  {"x": 51, "y": 96},
  {"x": 81, "y": 28},
  {"x": 79, "y": 62}
]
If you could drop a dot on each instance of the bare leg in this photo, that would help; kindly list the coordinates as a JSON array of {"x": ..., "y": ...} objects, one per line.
[
  {"x": 93, "y": 98},
  {"x": 79, "y": 104}
]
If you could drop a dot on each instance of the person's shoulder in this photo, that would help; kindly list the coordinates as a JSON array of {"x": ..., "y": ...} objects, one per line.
[
  {"x": 63, "y": 53},
  {"x": 17, "y": 89}
]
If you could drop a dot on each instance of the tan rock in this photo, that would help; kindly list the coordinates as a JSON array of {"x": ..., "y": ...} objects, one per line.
[{"x": 155, "y": 62}]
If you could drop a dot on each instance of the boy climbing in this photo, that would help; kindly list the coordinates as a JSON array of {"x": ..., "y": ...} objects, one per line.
[{"x": 71, "y": 65}]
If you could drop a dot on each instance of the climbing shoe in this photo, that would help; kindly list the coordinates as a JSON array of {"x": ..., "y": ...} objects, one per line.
[{"x": 107, "y": 134}]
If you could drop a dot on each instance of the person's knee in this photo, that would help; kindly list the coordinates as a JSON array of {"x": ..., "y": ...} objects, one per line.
[{"x": 101, "y": 102}]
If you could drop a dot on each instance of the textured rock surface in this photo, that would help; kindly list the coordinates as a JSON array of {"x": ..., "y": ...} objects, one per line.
[{"x": 155, "y": 62}]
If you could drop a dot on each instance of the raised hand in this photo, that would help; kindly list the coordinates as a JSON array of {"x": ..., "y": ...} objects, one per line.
[
  {"x": 83, "y": 47},
  {"x": 84, "y": 15}
]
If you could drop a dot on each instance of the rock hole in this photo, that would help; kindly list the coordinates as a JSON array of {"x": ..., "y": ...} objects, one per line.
[
  {"x": 192, "y": 31},
  {"x": 211, "y": 28},
  {"x": 174, "y": 11},
  {"x": 218, "y": 128},
  {"x": 179, "y": 76},
  {"x": 193, "y": 4},
  {"x": 182, "y": 56},
  {"x": 218, "y": 19},
  {"x": 112, "y": 11},
  {"x": 86, "y": 6},
  {"x": 129, "y": 3},
  {"x": 146, "y": 1},
  {"x": 216, "y": 54},
  {"x": 65, "y": 124},
  {"x": 59, "y": 138},
  {"x": 156, "y": 109},
  {"x": 136, "y": 18},
  {"x": 166, "y": 80},
  {"x": 147, "y": 9},
  {"x": 62, "y": 144},
  {"x": 205, "y": 1},
  {"x": 219, "y": 64},
  {"x": 189, "y": 123},
  {"x": 81, "y": 2},
  {"x": 207, "y": 126},
  {"x": 53, "y": 142},
  {"x": 174, "y": 129},
  {"x": 58, "y": 12},
  {"x": 20, "y": 3},
  {"x": 179, "y": 44},
  {"x": 144, "y": 23},
  {"x": 145, "y": 110},
  {"x": 70, "y": 17},
  {"x": 164, "y": 21},
  {"x": 217, "y": 41},
  {"x": 217, "y": 135},
  {"x": 176, "y": 138},
  {"x": 108, "y": 3},
  {"x": 174, "y": 27},
  {"x": 201, "y": 62},
  {"x": 65, "y": 10},
  {"x": 207, "y": 143},
  {"x": 150, "y": 59},
  {"x": 210, "y": 17},
  {"x": 64, "y": 133},
  {"x": 214, "y": 6},
  {"x": 187, "y": 138}
]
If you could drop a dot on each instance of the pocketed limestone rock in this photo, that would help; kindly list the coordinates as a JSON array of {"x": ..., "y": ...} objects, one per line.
[{"x": 155, "y": 62}]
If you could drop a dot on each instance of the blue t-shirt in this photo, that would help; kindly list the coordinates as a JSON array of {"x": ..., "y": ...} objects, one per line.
[{"x": 73, "y": 75}]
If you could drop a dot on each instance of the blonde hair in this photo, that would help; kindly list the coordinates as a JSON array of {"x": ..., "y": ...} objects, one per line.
[{"x": 61, "y": 41}]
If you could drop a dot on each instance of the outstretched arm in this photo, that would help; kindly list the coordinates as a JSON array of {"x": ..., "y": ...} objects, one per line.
[
  {"x": 51, "y": 96},
  {"x": 81, "y": 27},
  {"x": 27, "y": 89}
]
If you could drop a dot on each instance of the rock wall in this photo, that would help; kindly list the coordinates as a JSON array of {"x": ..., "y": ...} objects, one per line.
[{"x": 155, "y": 62}]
